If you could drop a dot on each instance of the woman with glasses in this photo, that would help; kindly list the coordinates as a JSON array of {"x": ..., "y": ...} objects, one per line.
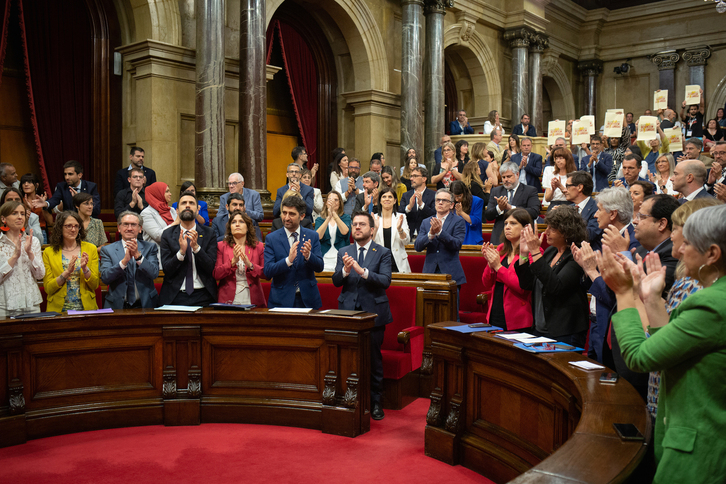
[
  {"x": 71, "y": 266},
  {"x": 21, "y": 263},
  {"x": 203, "y": 215},
  {"x": 449, "y": 169},
  {"x": 93, "y": 227}
]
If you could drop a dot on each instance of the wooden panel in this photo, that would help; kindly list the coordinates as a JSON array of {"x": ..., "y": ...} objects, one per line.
[{"x": 279, "y": 147}]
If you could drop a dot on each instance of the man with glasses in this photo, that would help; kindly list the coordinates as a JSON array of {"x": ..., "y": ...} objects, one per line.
[
  {"x": 236, "y": 184},
  {"x": 235, "y": 203},
  {"x": 136, "y": 160},
  {"x": 294, "y": 173},
  {"x": 351, "y": 186},
  {"x": 577, "y": 190},
  {"x": 510, "y": 194},
  {"x": 418, "y": 202},
  {"x": 442, "y": 235},
  {"x": 133, "y": 198},
  {"x": 598, "y": 164},
  {"x": 129, "y": 267},
  {"x": 716, "y": 183},
  {"x": 460, "y": 125}
]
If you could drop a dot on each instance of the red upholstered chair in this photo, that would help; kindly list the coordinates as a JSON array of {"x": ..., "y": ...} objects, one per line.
[
  {"x": 471, "y": 310},
  {"x": 416, "y": 261},
  {"x": 266, "y": 286},
  {"x": 329, "y": 295},
  {"x": 402, "y": 349}
]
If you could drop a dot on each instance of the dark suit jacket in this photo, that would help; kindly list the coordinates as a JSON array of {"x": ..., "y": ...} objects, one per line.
[
  {"x": 525, "y": 197},
  {"x": 115, "y": 277},
  {"x": 122, "y": 179},
  {"x": 443, "y": 250},
  {"x": 219, "y": 224},
  {"x": 302, "y": 272},
  {"x": 594, "y": 234},
  {"x": 533, "y": 170},
  {"x": 367, "y": 294},
  {"x": 123, "y": 199},
  {"x": 519, "y": 130},
  {"x": 564, "y": 298},
  {"x": 599, "y": 170},
  {"x": 360, "y": 201},
  {"x": 664, "y": 251},
  {"x": 416, "y": 216},
  {"x": 307, "y": 193},
  {"x": 63, "y": 194},
  {"x": 702, "y": 194},
  {"x": 175, "y": 270},
  {"x": 455, "y": 128},
  {"x": 305, "y": 223}
]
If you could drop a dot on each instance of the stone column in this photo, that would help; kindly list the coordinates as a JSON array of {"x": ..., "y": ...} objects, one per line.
[
  {"x": 590, "y": 70},
  {"x": 209, "y": 154},
  {"x": 412, "y": 119},
  {"x": 538, "y": 44},
  {"x": 434, "y": 123},
  {"x": 519, "y": 41},
  {"x": 696, "y": 58},
  {"x": 252, "y": 162},
  {"x": 666, "y": 62}
]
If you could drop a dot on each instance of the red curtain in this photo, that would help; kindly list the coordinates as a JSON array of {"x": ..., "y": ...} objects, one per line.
[
  {"x": 4, "y": 19},
  {"x": 58, "y": 51},
  {"x": 302, "y": 76}
]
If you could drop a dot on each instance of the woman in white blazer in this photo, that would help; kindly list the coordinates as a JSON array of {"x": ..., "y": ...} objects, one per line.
[
  {"x": 158, "y": 214},
  {"x": 391, "y": 230}
]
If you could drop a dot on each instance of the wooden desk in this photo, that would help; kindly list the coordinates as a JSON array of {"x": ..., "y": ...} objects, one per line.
[
  {"x": 509, "y": 414},
  {"x": 143, "y": 367}
]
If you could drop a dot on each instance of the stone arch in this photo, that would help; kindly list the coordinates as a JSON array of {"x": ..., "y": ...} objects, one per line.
[
  {"x": 364, "y": 39},
  {"x": 149, "y": 19},
  {"x": 555, "y": 82},
  {"x": 717, "y": 100},
  {"x": 483, "y": 70}
]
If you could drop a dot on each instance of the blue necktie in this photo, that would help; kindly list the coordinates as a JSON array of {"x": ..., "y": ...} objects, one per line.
[
  {"x": 361, "y": 256},
  {"x": 131, "y": 282}
]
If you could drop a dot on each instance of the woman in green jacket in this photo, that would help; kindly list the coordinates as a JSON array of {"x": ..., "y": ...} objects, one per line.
[{"x": 689, "y": 348}]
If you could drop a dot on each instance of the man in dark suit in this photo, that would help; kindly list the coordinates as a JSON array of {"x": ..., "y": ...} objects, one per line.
[
  {"x": 294, "y": 173},
  {"x": 133, "y": 198},
  {"x": 524, "y": 128},
  {"x": 188, "y": 255},
  {"x": 364, "y": 271},
  {"x": 136, "y": 159},
  {"x": 65, "y": 191},
  {"x": 510, "y": 194},
  {"x": 417, "y": 203},
  {"x": 460, "y": 125},
  {"x": 717, "y": 173},
  {"x": 689, "y": 177},
  {"x": 530, "y": 165},
  {"x": 598, "y": 164},
  {"x": 129, "y": 267},
  {"x": 442, "y": 235},
  {"x": 577, "y": 190},
  {"x": 631, "y": 169},
  {"x": 235, "y": 202},
  {"x": 292, "y": 257},
  {"x": 367, "y": 200}
]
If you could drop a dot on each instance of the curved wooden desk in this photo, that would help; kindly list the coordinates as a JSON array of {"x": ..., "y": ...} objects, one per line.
[
  {"x": 144, "y": 367},
  {"x": 509, "y": 414}
]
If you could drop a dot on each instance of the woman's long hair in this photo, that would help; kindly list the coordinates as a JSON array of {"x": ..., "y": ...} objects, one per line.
[
  {"x": 524, "y": 218},
  {"x": 459, "y": 144},
  {"x": 324, "y": 213},
  {"x": 469, "y": 175},
  {"x": 251, "y": 237},
  {"x": 569, "y": 160},
  {"x": 458, "y": 187},
  {"x": 56, "y": 237}
]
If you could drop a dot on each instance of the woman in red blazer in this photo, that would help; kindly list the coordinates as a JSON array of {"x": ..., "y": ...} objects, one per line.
[
  {"x": 510, "y": 307},
  {"x": 240, "y": 254}
]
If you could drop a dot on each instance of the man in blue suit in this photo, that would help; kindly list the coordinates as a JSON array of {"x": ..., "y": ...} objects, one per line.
[
  {"x": 577, "y": 190},
  {"x": 442, "y": 235},
  {"x": 631, "y": 168},
  {"x": 292, "y": 257},
  {"x": 524, "y": 128},
  {"x": 294, "y": 173},
  {"x": 129, "y": 267},
  {"x": 236, "y": 184},
  {"x": 417, "y": 203},
  {"x": 235, "y": 202},
  {"x": 598, "y": 164},
  {"x": 73, "y": 184},
  {"x": 364, "y": 271},
  {"x": 460, "y": 125},
  {"x": 530, "y": 165}
]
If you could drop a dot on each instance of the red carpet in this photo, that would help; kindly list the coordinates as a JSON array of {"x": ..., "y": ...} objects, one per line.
[{"x": 393, "y": 451}]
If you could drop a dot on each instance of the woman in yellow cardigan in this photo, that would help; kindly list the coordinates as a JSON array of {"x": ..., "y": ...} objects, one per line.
[{"x": 71, "y": 266}]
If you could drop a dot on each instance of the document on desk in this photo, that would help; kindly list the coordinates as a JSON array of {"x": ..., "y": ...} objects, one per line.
[
  {"x": 541, "y": 339},
  {"x": 90, "y": 311},
  {"x": 172, "y": 307},
  {"x": 586, "y": 365},
  {"x": 517, "y": 336},
  {"x": 290, "y": 310}
]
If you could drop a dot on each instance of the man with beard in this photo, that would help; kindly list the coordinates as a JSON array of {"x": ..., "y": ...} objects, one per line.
[
  {"x": 350, "y": 187},
  {"x": 188, "y": 255},
  {"x": 417, "y": 203},
  {"x": 364, "y": 271}
]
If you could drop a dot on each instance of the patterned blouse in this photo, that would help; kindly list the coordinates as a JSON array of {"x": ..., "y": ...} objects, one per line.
[
  {"x": 18, "y": 287},
  {"x": 95, "y": 233},
  {"x": 73, "y": 285},
  {"x": 680, "y": 290}
]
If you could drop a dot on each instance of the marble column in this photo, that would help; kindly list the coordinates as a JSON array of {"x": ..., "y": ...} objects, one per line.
[
  {"x": 252, "y": 161},
  {"x": 519, "y": 41},
  {"x": 590, "y": 70},
  {"x": 666, "y": 63},
  {"x": 412, "y": 119},
  {"x": 696, "y": 58},
  {"x": 538, "y": 44},
  {"x": 209, "y": 153},
  {"x": 434, "y": 122}
]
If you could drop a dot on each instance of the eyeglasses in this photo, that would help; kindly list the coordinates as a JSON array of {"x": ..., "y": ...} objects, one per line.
[
  {"x": 293, "y": 172},
  {"x": 126, "y": 224},
  {"x": 640, "y": 216},
  {"x": 443, "y": 200},
  {"x": 72, "y": 227},
  {"x": 570, "y": 185},
  {"x": 417, "y": 176},
  {"x": 233, "y": 184},
  {"x": 138, "y": 177}
]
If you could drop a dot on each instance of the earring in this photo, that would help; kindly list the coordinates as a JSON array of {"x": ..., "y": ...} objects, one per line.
[{"x": 701, "y": 279}]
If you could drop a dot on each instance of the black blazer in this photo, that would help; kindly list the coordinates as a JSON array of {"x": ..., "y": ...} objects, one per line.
[
  {"x": 564, "y": 298},
  {"x": 175, "y": 270},
  {"x": 360, "y": 201},
  {"x": 122, "y": 179},
  {"x": 664, "y": 251},
  {"x": 63, "y": 194},
  {"x": 416, "y": 216},
  {"x": 123, "y": 199},
  {"x": 525, "y": 197}
]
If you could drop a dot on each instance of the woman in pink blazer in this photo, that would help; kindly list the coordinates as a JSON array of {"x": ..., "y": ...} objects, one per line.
[
  {"x": 510, "y": 307},
  {"x": 240, "y": 261}
]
